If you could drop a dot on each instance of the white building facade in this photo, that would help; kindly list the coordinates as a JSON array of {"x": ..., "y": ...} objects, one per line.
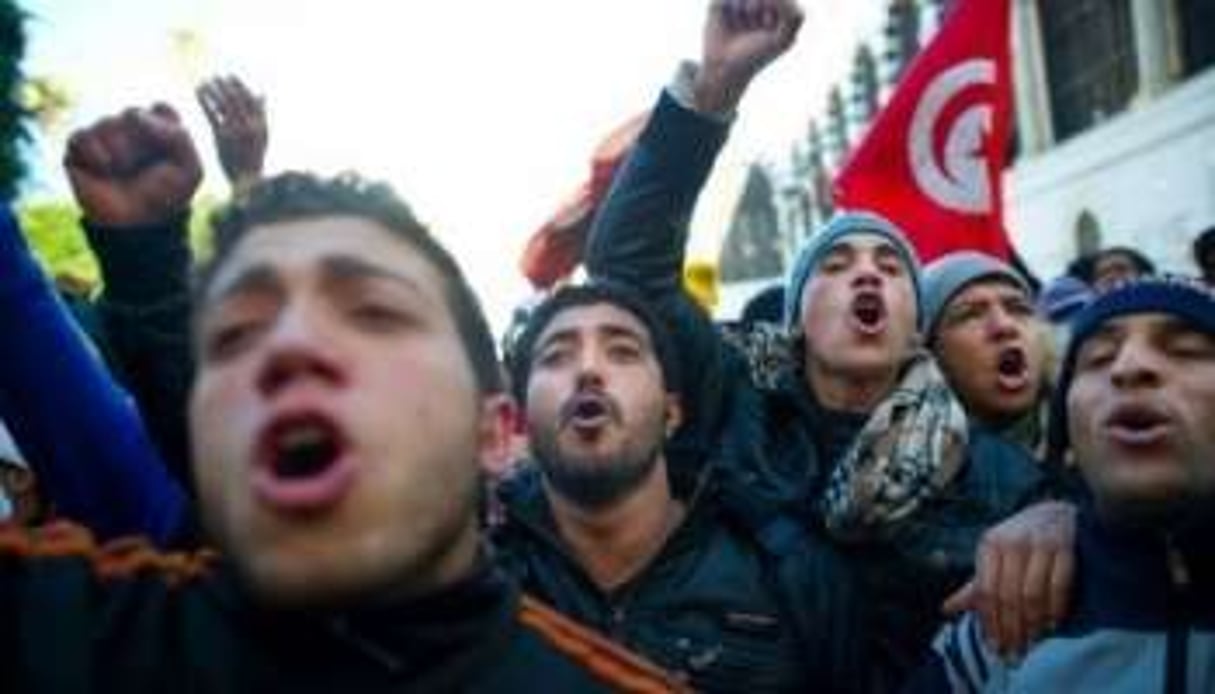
[
  {"x": 1116, "y": 125},
  {"x": 1115, "y": 131}
]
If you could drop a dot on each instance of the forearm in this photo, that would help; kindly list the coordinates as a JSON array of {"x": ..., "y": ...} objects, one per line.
[
  {"x": 641, "y": 231},
  {"x": 145, "y": 312},
  {"x": 80, "y": 431}
]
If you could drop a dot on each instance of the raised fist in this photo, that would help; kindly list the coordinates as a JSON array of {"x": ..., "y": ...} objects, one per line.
[
  {"x": 741, "y": 37},
  {"x": 139, "y": 167}
]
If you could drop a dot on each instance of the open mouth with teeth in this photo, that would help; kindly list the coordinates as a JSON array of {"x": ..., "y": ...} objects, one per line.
[
  {"x": 302, "y": 464},
  {"x": 869, "y": 313}
]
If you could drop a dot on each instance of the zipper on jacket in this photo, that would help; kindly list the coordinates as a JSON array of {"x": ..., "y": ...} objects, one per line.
[{"x": 1177, "y": 646}]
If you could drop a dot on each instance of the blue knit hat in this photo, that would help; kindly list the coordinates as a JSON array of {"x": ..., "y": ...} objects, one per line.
[
  {"x": 951, "y": 273},
  {"x": 1063, "y": 297},
  {"x": 1186, "y": 298},
  {"x": 818, "y": 245}
]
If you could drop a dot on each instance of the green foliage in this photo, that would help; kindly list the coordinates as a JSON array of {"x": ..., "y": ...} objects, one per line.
[
  {"x": 54, "y": 234},
  {"x": 200, "y": 225},
  {"x": 12, "y": 128}
]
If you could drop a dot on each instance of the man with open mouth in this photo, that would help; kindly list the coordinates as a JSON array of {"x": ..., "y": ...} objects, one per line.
[
  {"x": 603, "y": 528},
  {"x": 982, "y": 329},
  {"x": 346, "y": 399},
  {"x": 859, "y": 437},
  {"x": 1134, "y": 411}
]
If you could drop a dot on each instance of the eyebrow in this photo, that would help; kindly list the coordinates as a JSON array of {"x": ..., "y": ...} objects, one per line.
[
  {"x": 610, "y": 330},
  {"x": 262, "y": 277},
  {"x": 348, "y": 267},
  {"x": 1109, "y": 332},
  {"x": 259, "y": 277},
  {"x": 885, "y": 249},
  {"x": 843, "y": 248},
  {"x": 881, "y": 247}
]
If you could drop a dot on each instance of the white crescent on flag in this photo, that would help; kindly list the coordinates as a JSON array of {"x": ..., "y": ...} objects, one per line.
[
  {"x": 962, "y": 181},
  {"x": 933, "y": 159}
]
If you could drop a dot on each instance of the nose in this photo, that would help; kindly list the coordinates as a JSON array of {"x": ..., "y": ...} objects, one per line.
[
  {"x": 590, "y": 369},
  {"x": 297, "y": 350},
  {"x": 867, "y": 272},
  {"x": 1135, "y": 365},
  {"x": 1001, "y": 324}
]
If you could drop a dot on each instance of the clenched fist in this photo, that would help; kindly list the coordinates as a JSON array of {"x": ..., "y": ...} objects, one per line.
[{"x": 136, "y": 168}]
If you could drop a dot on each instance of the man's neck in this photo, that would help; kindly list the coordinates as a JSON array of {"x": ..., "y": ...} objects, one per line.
[
  {"x": 855, "y": 393},
  {"x": 614, "y": 543}
]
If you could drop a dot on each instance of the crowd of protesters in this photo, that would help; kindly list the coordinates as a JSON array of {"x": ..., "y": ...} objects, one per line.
[{"x": 297, "y": 463}]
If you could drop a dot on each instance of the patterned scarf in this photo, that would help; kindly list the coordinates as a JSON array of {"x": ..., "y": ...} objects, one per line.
[{"x": 910, "y": 449}]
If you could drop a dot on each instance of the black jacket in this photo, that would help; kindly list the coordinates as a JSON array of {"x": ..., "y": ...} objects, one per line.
[
  {"x": 713, "y": 606},
  {"x": 907, "y": 574},
  {"x": 75, "y": 618}
]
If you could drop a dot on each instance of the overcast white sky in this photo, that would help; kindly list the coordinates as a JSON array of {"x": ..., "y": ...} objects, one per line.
[{"x": 481, "y": 112}]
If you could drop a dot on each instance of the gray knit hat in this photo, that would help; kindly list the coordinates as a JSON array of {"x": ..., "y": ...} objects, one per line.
[
  {"x": 818, "y": 245},
  {"x": 953, "y": 272}
]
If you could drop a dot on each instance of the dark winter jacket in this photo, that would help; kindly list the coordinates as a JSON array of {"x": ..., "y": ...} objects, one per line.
[
  {"x": 76, "y": 618},
  {"x": 713, "y": 605},
  {"x": 907, "y": 574}
]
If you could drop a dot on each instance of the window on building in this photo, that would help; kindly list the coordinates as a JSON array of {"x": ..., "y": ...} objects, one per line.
[
  {"x": 1090, "y": 61},
  {"x": 1196, "y": 22}
]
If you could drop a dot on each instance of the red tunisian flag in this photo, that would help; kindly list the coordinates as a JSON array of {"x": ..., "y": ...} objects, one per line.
[
  {"x": 933, "y": 159},
  {"x": 556, "y": 248}
]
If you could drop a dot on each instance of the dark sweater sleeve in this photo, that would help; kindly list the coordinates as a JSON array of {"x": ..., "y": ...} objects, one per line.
[
  {"x": 145, "y": 314},
  {"x": 638, "y": 239},
  {"x": 641, "y": 230},
  {"x": 79, "y": 430}
]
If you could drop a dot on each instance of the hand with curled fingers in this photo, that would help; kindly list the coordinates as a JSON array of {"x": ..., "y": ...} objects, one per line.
[
  {"x": 741, "y": 37},
  {"x": 135, "y": 168},
  {"x": 1024, "y": 570},
  {"x": 239, "y": 126}
]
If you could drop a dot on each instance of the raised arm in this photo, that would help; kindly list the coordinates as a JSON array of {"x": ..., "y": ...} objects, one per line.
[
  {"x": 642, "y": 228},
  {"x": 238, "y": 124},
  {"x": 640, "y": 234},
  {"x": 134, "y": 176}
]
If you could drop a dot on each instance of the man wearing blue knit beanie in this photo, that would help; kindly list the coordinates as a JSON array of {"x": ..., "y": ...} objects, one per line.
[
  {"x": 1134, "y": 413},
  {"x": 851, "y": 427}
]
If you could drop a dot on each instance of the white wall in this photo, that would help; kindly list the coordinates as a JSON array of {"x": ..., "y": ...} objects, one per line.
[{"x": 1148, "y": 175}]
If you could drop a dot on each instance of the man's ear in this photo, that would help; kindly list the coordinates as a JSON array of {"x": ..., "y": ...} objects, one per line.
[
  {"x": 498, "y": 416},
  {"x": 674, "y": 412}
]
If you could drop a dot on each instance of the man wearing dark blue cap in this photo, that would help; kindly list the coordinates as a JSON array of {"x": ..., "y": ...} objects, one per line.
[{"x": 1133, "y": 411}]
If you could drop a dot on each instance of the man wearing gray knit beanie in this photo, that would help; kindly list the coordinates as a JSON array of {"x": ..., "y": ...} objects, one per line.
[{"x": 980, "y": 325}]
